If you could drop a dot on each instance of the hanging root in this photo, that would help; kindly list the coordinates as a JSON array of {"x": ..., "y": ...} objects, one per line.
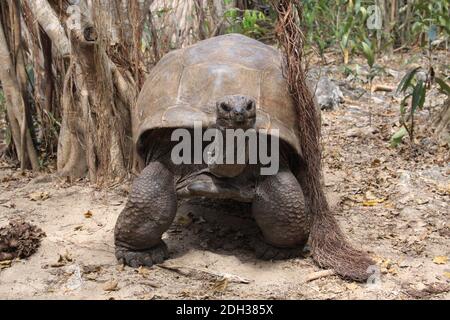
[{"x": 330, "y": 249}]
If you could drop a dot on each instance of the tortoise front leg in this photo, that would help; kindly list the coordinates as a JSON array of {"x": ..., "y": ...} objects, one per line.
[
  {"x": 149, "y": 212},
  {"x": 279, "y": 211}
]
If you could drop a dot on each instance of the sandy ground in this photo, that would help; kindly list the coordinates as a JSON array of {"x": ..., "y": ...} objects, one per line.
[{"x": 393, "y": 203}]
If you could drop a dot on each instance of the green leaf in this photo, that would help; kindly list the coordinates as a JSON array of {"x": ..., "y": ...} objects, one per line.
[
  {"x": 418, "y": 96},
  {"x": 397, "y": 138},
  {"x": 368, "y": 53},
  {"x": 418, "y": 27},
  {"x": 363, "y": 12},
  {"x": 348, "y": 25},
  {"x": 231, "y": 13},
  {"x": 344, "y": 41},
  {"x": 406, "y": 81}
]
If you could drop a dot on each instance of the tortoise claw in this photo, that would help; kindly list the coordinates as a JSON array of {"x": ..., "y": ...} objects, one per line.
[{"x": 147, "y": 257}]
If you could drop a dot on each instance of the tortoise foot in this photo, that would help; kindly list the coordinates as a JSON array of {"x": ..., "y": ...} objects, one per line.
[{"x": 147, "y": 257}]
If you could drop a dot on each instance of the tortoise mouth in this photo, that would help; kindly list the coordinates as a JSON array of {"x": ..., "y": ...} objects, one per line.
[{"x": 238, "y": 122}]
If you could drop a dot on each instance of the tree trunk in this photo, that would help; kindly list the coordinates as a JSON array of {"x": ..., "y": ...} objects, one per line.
[
  {"x": 48, "y": 20},
  {"x": 96, "y": 131},
  {"x": 15, "y": 104},
  {"x": 89, "y": 59},
  {"x": 189, "y": 21},
  {"x": 99, "y": 70}
]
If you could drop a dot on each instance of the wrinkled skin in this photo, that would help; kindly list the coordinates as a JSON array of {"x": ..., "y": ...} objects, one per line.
[
  {"x": 278, "y": 205},
  {"x": 233, "y": 112}
]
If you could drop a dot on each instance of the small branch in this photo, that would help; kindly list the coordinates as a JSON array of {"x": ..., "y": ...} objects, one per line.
[
  {"x": 381, "y": 87},
  {"x": 319, "y": 274},
  {"x": 201, "y": 274}
]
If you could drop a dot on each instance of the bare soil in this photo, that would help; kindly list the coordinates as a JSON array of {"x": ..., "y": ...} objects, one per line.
[{"x": 392, "y": 202}]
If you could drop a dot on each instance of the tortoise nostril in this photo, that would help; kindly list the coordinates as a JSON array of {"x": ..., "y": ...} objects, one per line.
[{"x": 239, "y": 111}]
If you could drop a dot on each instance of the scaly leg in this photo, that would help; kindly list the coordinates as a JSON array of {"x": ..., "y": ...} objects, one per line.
[
  {"x": 149, "y": 212},
  {"x": 279, "y": 211}
]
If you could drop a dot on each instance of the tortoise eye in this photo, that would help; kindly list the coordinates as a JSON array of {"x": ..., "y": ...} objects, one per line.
[
  {"x": 225, "y": 107},
  {"x": 250, "y": 106}
]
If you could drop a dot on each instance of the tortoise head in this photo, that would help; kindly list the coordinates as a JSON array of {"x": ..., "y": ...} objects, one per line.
[{"x": 236, "y": 112}]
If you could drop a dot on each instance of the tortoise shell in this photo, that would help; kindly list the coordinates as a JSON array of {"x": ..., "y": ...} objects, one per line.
[{"x": 184, "y": 86}]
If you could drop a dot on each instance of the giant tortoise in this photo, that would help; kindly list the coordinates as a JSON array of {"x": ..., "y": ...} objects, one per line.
[{"x": 225, "y": 82}]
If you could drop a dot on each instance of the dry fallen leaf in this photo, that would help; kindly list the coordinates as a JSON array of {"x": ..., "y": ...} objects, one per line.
[
  {"x": 440, "y": 260},
  {"x": 389, "y": 205},
  {"x": 388, "y": 266},
  {"x": 92, "y": 268},
  {"x": 91, "y": 276},
  {"x": 422, "y": 201},
  {"x": 111, "y": 285},
  {"x": 62, "y": 260},
  {"x": 220, "y": 285},
  {"x": 369, "y": 195},
  {"x": 39, "y": 196},
  {"x": 145, "y": 272},
  {"x": 447, "y": 274},
  {"x": 88, "y": 214},
  {"x": 352, "y": 286},
  {"x": 120, "y": 267}
]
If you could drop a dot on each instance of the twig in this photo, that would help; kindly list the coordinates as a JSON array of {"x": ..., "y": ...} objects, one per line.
[
  {"x": 400, "y": 48},
  {"x": 201, "y": 274},
  {"x": 381, "y": 87},
  {"x": 319, "y": 274}
]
